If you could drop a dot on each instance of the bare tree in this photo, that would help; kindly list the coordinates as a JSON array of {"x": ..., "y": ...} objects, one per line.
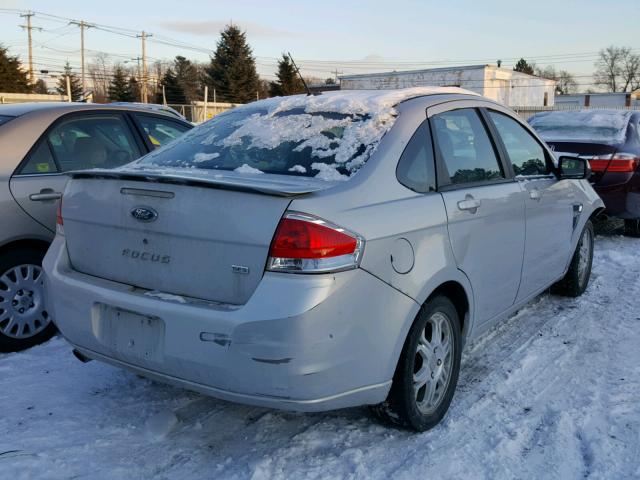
[
  {"x": 99, "y": 70},
  {"x": 631, "y": 72},
  {"x": 565, "y": 81},
  {"x": 617, "y": 69}
]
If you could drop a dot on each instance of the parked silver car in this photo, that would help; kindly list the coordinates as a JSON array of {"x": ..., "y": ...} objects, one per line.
[
  {"x": 40, "y": 143},
  {"x": 319, "y": 252}
]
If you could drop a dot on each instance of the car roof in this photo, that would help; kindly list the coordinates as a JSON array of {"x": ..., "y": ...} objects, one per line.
[
  {"x": 358, "y": 101},
  {"x": 18, "y": 109}
]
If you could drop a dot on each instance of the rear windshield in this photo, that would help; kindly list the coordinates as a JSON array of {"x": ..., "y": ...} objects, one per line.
[
  {"x": 5, "y": 118},
  {"x": 276, "y": 136},
  {"x": 582, "y": 126}
]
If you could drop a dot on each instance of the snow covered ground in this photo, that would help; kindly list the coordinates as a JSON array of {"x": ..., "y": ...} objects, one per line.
[{"x": 554, "y": 392}]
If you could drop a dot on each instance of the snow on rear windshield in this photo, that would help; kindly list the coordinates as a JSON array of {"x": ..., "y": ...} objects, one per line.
[
  {"x": 593, "y": 126},
  {"x": 328, "y": 136}
]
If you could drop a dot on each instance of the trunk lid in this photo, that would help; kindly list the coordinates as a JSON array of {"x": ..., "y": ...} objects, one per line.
[{"x": 202, "y": 238}]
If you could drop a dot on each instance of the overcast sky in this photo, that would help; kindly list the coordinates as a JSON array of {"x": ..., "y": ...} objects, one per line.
[{"x": 330, "y": 34}]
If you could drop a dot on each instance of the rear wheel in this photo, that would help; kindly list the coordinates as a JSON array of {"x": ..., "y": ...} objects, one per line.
[
  {"x": 576, "y": 280},
  {"x": 24, "y": 319},
  {"x": 632, "y": 228},
  {"x": 427, "y": 373}
]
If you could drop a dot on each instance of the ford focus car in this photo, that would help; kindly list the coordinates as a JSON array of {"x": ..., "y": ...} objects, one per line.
[{"x": 319, "y": 252}]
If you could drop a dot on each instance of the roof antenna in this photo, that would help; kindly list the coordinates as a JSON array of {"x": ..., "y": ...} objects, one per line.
[{"x": 298, "y": 71}]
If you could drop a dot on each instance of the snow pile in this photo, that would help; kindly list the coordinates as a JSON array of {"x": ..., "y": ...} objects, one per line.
[
  {"x": 247, "y": 169},
  {"x": 298, "y": 169},
  {"x": 204, "y": 157},
  {"x": 594, "y": 126},
  {"x": 169, "y": 297}
]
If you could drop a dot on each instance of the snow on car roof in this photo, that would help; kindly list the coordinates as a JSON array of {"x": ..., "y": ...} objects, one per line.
[
  {"x": 339, "y": 130},
  {"x": 594, "y": 126}
]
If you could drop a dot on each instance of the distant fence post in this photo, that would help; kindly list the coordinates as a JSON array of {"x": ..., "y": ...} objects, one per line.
[{"x": 206, "y": 97}]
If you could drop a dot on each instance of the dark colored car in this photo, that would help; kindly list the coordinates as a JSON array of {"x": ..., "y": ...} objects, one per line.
[{"x": 610, "y": 140}]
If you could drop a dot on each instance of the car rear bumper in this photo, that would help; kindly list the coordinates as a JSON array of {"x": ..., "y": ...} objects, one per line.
[
  {"x": 302, "y": 342},
  {"x": 621, "y": 194}
]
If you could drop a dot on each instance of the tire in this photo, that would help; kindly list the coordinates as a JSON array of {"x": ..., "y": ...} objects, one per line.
[
  {"x": 409, "y": 406},
  {"x": 24, "y": 321},
  {"x": 632, "y": 228},
  {"x": 576, "y": 280}
]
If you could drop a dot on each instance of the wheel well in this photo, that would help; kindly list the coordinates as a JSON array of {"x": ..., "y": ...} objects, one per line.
[
  {"x": 25, "y": 243},
  {"x": 597, "y": 212},
  {"x": 454, "y": 292}
]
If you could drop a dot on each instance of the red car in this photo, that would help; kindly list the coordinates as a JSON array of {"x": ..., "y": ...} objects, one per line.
[{"x": 610, "y": 140}]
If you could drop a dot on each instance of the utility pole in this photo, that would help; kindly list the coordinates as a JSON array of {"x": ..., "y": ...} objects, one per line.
[
  {"x": 29, "y": 27},
  {"x": 137, "y": 59},
  {"x": 336, "y": 73},
  {"x": 82, "y": 24},
  {"x": 143, "y": 36},
  {"x": 69, "y": 99}
]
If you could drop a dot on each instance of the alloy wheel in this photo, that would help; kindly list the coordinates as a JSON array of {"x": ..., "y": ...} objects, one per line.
[
  {"x": 23, "y": 312},
  {"x": 433, "y": 363},
  {"x": 586, "y": 244}
]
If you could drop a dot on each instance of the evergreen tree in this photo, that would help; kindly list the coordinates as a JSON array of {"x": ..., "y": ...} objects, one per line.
[
  {"x": 75, "y": 83},
  {"x": 288, "y": 82},
  {"x": 40, "y": 87},
  {"x": 172, "y": 89},
  {"x": 188, "y": 77},
  {"x": 119, "y": 90},
  {"x": 134, "y": 88},
  {"x": 12, "y": 78},
  {"x": 524, "y": 67},
  {"x": 232, "y": 72}
]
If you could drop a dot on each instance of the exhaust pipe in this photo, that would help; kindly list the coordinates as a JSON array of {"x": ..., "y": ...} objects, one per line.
[{"x": 80, "y": 356}]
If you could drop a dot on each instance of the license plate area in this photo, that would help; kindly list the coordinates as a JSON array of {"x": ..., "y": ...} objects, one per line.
[{"x": 129, "y": 335}]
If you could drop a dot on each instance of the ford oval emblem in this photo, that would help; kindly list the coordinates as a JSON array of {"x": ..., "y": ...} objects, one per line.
[{"x": 144, "y": 214}]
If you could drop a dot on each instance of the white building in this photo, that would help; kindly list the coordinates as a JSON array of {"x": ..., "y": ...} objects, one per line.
[
  {"x": 31, "y": 97},
  {"x": 500, "y": 84}
]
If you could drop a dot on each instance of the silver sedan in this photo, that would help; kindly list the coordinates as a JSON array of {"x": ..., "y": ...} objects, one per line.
[
  {"x": 40, "y": 143},
  {"x": 319, "y": 252}
]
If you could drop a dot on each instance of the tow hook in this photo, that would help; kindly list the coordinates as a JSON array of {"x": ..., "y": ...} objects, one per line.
[{"x": 80, "y": 356}]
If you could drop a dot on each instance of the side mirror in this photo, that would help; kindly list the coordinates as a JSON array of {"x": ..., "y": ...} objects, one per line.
[{"x": 573, "y": 168}]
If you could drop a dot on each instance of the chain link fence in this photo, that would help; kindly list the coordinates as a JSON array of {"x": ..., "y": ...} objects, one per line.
[{"x": 197, "y": 112}]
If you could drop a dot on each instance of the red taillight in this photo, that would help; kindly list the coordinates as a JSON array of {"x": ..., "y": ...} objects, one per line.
[
  {"x": 302, "y": 239},
  {"x": 305, "y": 243},
  {"x": 619, "y": 162},
  {"x": 59, "y": 214},
  {"x": 59, "y": 220}
]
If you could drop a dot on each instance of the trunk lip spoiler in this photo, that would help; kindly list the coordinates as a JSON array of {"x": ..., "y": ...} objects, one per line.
[{"x": 236, "y": 184}]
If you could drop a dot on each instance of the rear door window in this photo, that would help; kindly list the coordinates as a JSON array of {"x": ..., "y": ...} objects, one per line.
[
  {"x": 525, "y": 153},
  {"x": 93, "y": 141},
  {"x": 466, "y": 149},
  {"x": 160, "y": 131}
]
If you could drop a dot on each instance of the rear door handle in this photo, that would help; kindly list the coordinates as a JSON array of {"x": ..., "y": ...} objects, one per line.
[
  {"x": 535, "y": 194},
  {"x": 45, "y": 195},
  {"x": 469, "y": 204}
]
